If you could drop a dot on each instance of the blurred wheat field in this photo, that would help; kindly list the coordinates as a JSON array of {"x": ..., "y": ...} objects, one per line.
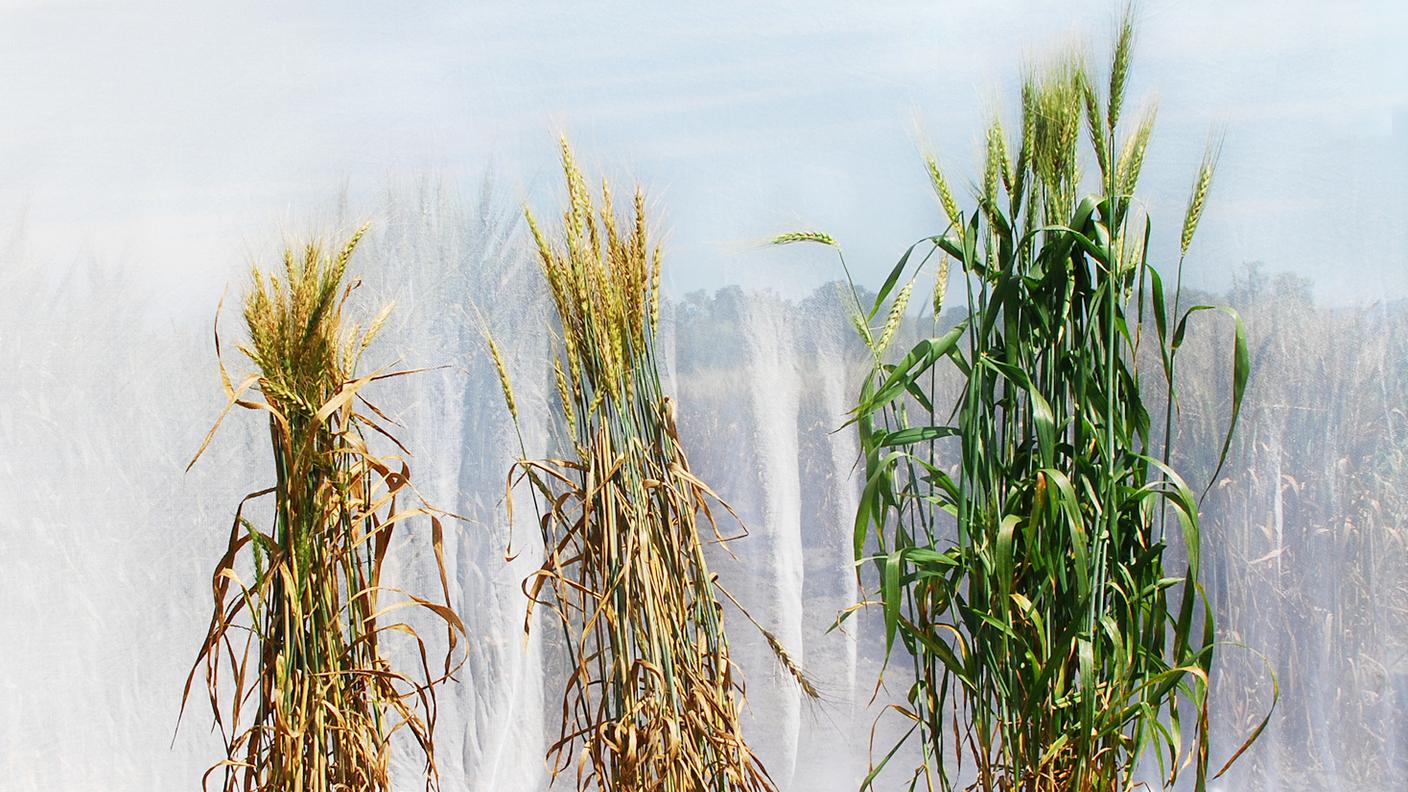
[{"x": 106, "y": 545}]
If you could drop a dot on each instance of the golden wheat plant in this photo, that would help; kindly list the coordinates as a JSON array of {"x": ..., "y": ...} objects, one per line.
[
  {"x": 294, "y": 659},
  {"x": 652, "y": 699}
]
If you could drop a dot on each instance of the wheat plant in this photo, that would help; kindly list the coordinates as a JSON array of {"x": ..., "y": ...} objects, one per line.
[
  {"x": 653, "y": 700},
  {"x": 1037, "y": 556},
  {"x": 294, "y": 660}
]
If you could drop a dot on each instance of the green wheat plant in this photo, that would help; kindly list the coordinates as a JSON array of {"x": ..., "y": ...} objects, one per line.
[
  {"x": 653, "y": 699},
  {"x": 1037, "y": 556},
  {"x": 298, "y": 678}
]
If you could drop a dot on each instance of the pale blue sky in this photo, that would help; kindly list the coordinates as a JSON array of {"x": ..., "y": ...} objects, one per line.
[{"x": 182, "y": 138}]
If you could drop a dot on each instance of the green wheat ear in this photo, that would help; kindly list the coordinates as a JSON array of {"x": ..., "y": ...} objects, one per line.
[
  {"x": 893, "y": 319},
  {"x": 794, "y": 237},
  {"x": 1131, "y": 159},
  {"x": 940, "y": 287},
  {"x": 1093, "y": 126},
  {"x": 1197, "y": 199},
  {"x": 502, "y": 371},
  {"x": 941, "y": 188},
  {"x": 1119, "y": 66}
]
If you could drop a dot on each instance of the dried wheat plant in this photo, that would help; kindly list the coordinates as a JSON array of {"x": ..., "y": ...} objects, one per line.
[
  {"x": 301, "y": 691},
  {"x": 652, "y": 700}
]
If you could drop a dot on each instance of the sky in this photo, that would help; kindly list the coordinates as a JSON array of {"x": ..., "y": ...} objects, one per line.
[{"x": 181, "y": 140}]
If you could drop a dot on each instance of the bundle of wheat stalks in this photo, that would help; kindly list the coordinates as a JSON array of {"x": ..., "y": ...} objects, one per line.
[
  {"x": 652, "y": 701},
  {"x": 300, "y": 611}
]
